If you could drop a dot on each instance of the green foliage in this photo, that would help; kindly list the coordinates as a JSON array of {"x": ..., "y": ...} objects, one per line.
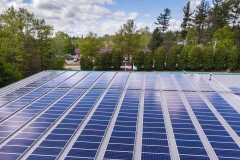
[
  {"x": 159, "y": 58},
  {"x": 219, "y": 15},
  {"x": 225, "y": 36},
  {"x": 191, "y": 36},
  {"x": 183, "y": 58},
  {"x": 195, "y": 58},
  {"x": 90, "y": 45},
  {"x": 148, "y": 61},
  {"x": 172, "y": 57},
  {"x": 220, "y": 57},
  {"x": 200, "y": 17},
  {"x": 103, "y": 61},
  {"x": 163, "y": 20},
  {"x": 9, "y": 73},
  {"x": 186, "y": 19},
  {"x": 156, "y": 40},
  {"x": 116, "y": 59},
  {"x": 208, "y": 58},
  {"x": 233, "y": 59},
  {"x": 138, "y": 59},
  {"x": 86, "y": 63},
  {"x": 145, "y": 40},
  {"x": 127, "y": 39}
]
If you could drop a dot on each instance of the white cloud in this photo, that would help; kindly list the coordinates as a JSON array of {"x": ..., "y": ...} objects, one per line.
[
  {"x": 175, "y": 25},
  {"x": 78, "y": 17},
  {"x": 75, "y": 17},
  {"x": 194, "y": 4},
  {"x": 147, "y": 15},
  {"x": 121, "y": 15}
]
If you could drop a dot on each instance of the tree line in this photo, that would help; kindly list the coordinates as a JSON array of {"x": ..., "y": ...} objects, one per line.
[
  {"x": 209, "y": 40},
  {"x": 28, "y": 45}
]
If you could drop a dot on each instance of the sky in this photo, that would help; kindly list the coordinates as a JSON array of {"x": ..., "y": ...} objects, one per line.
[{"x": 79, "y": 17}]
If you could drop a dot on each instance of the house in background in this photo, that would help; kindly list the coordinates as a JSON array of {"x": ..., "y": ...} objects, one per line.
[{"x": 77, "y": 53}]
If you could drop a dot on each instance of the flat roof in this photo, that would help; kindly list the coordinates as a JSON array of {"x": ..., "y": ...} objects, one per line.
[{"x": 121, "y": 115}]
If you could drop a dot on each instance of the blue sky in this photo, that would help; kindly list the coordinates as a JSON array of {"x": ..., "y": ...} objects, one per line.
[{"x": 78, "y": 17}]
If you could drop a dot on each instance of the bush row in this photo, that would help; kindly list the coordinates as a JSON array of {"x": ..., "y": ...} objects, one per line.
[
  {"x": 102, "y": 61},
  {"x": 178, "y": 58},
  {"x": 189, "y": 58}
]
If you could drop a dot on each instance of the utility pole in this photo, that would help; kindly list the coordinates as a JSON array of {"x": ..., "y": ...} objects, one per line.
[{"x": 215, "y": 44}]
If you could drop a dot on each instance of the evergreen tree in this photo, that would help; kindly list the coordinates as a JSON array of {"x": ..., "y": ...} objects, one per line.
[
  {"x": 200, "y": 18},
  {"x": 220, "y": 57},
  {"x": 208, "y": 58},
  {"x": 116, "y": 59},
  {"x": 225, "y": 36},
  {"x": 216, "y": 16},
  {"x": 235, "y": 20},
  {"x": 163, "y": 20},
  {"x": 172, "y": 57},
  {"x": 156, "y": 40},
  {"x": 138, "y": 59},
  {"x": 183, "y": 58},
  {"x": 86, "y": 63},
  {"x": 148, "y": 61},
  {"x": 195, "y": 58},
  {"x": 233, "y": 59},
  {"x": 186, "y": 19},
  {"x": 160, "y": 59}
]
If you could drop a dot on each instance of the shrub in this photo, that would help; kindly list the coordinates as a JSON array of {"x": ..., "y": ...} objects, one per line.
[
  {"x": 220, "y": 57},
  {"x": 208, "y": 58},
  {"x": 148, "y": 61},
  {"x": 86, "y": 63},
  {"x": 195, "y": 58},
  {"x": 160, "y": 59}
]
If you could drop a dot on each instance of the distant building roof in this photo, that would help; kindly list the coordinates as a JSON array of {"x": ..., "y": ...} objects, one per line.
[
  {"x": 104, "y": 50},
  {"x": 77, "y": 51},
  {"x": 145, "y": 50}
]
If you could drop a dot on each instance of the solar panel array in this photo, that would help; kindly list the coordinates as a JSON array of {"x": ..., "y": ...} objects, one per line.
[{"x": 120, "y": 115}]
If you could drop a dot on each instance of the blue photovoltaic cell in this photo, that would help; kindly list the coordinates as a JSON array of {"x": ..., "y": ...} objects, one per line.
[
  {"x": 152, "y": 156},
  {"x": 38, "y": 110},
  {"x": 166, "y": 82},
  {"x": 13, "y": 95},
  {"x": 194, "y": 146},
  {"x": 41, "y": 157},
  {"x": 56, "y": 93},
  {"x": 73, "y": 80},
  {"x": 184, "y": 83},
  {"x": 201, "y": 84},
  {"x": 135, "y": 81},
  {"x": 104, "y": 80},
  {"x": 117, "y": 155},
  {"x": 119, "y": 80},
  {"x": 130, "y": 101},
  {"x": 89, "y": 80},
  {"x": 56, "y": 81},
  {"x": 215, "y": 136},
  {"x": 44, "y": 79},
  {"x": 154, "y": 142},
  {"x": 152, "y": 81},
  {"x": 235, "y": 90},
  {"x": 225, "y": 110},
  {"x": 66, "y": 129},
  {"x": 111, "y": 98},
  {"x": 37, "y": 127}
]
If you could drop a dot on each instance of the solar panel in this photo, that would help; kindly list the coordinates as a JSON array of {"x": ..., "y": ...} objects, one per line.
[{"x": 121, "y": 115}]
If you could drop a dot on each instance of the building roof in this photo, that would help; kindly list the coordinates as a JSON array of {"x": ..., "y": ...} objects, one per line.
[
  {"x": 121, "y": 115},
  {"x": 77, "y": 51}
]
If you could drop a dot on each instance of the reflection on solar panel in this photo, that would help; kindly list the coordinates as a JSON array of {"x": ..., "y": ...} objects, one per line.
[{"x": 121, "y": 115}]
